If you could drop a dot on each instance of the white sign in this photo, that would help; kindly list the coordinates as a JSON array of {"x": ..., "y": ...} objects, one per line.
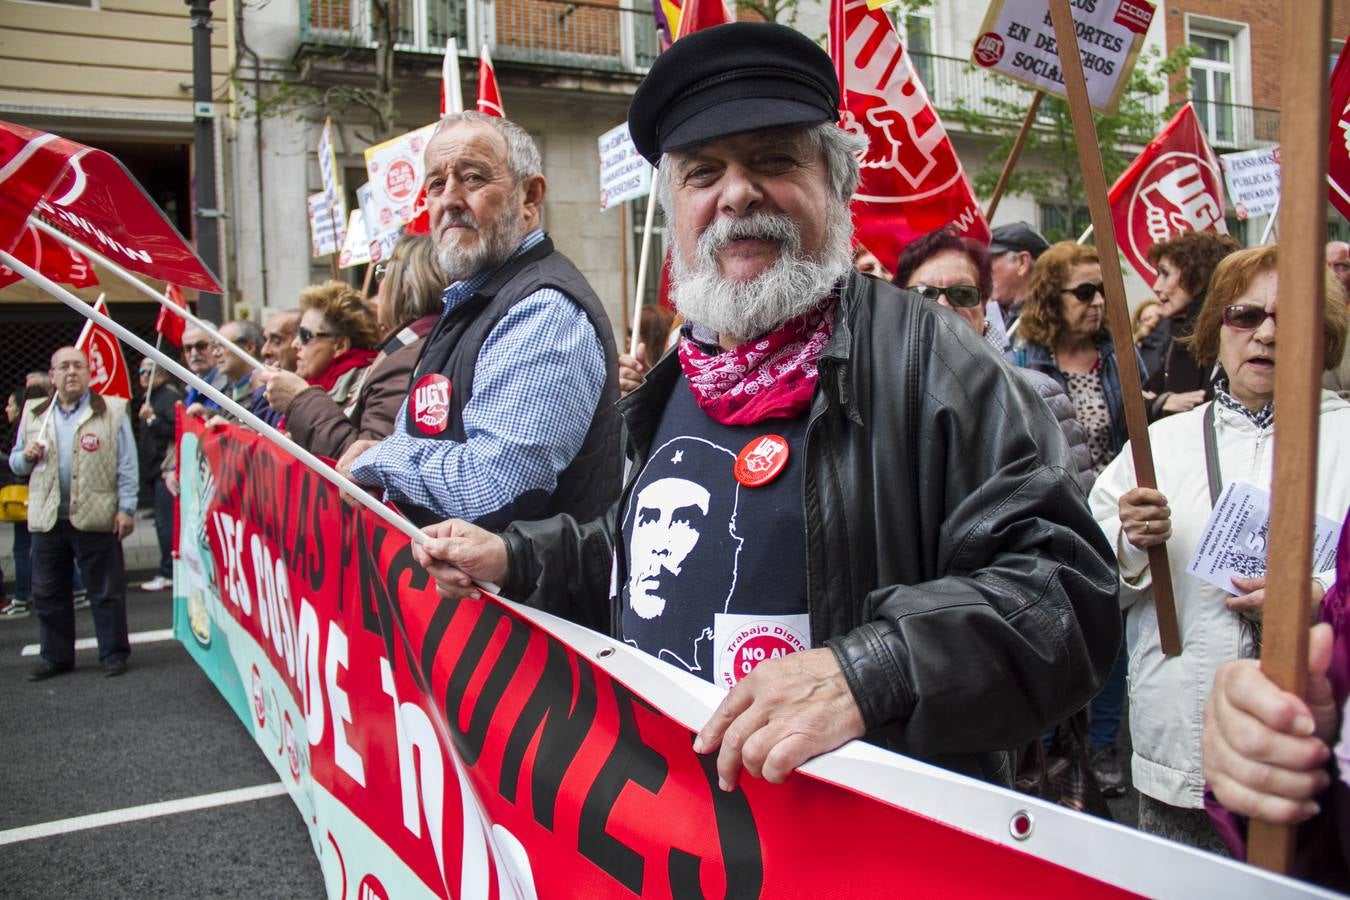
[
  {"x": 624, "y": 174},
  {"x": 1237, "y": 536},
  {"x": 1253, "y": 179},
  {"x": 355, "y": 247},
  {"x": 324, "y": 233},
  {"x": 1017, "y": 39},
  {"x": 328, "y": 171},
  {"x": 379, "y": 244},
  {"x": 396, "y": 169}
]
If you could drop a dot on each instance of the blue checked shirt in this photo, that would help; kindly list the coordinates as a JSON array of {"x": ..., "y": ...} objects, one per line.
[{"x": 536, "y": 383}]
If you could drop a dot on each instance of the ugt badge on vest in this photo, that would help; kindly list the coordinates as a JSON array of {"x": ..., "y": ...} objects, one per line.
[
  {"x": 89, "y": 442},
  {"x": 430, "y": 405}
]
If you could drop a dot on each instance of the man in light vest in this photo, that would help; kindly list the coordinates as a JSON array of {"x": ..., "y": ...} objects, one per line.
[{"x": 80, "y": 454}]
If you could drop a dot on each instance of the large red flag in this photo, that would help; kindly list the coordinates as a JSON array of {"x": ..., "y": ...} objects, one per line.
[
  {"x": 171, "y": 324},
  {"x": 489, "y": 95},
  {"x": 912, "y": 179},
  {"x": 696, "y": 15},
  {"x": 1174, "y": 186},
  {"x": 1338, "y": 159},
  {"x": 108, "y": 373},
  {"x": 50, "y": 257}
]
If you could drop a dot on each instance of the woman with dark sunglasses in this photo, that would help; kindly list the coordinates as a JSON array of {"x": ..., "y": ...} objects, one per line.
[{"x": 1197, "y": 454}]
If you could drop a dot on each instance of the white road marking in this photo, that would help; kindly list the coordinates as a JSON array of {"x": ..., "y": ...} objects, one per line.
[
  {"x": 137, "y": 637},
  {"x": 134, "y": 813}
]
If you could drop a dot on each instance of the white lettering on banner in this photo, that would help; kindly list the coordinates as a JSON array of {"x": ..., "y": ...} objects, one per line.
[
  {"x": 413, "y": 730},
  {"x": 307, "y": 673},
  {"x": 274, "y": 596},
  {"x": 82, "y": 224},
  {"x": 888, "y": 77},
  {"x": 1184, "y": 189},
  {"x": 231, "y": 535},
  {"x": 346, "y": 757}
]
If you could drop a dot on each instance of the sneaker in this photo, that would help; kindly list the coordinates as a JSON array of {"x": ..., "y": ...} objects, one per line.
[
  {"x": 81, "y": 599},
  {"x": 1109, "y": 771},
  {"x": 44, "y": 670},
  {"x": 15, "y": 609},
  {"x": 114, "y": 667},
  {"x": 158, "y": 583}
]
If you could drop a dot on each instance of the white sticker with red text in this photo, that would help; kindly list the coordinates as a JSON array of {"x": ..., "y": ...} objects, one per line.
[{"x": 741, "y": 642}]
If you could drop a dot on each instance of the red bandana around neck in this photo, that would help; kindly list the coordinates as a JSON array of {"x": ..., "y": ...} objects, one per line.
[
  {"x": 771, "y": 377},
  {"x": 344, "y": 362}
]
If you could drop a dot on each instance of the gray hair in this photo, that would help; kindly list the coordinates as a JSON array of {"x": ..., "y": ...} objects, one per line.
[
  {"x": 522, "y": 154},
  {"x": 249, "y": 332},
  {"x": 838, "y": 148}
]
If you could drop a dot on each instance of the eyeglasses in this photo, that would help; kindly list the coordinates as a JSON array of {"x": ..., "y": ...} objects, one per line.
[
  {"x": 147, "y": 371},
  {"x": 198, "y": 347},
  {"x": 306, "y": 335},
  {"x": 1245, "y": 316},
  {"x": 962, "y": 296},
  {"x": 1087, "y": 291}
]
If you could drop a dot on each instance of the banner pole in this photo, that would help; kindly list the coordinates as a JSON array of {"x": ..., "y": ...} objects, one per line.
[
  {"x": 623, "y": 263},
  {"x": 1087, "y": 233},
  {"x": 1014, "y": 155},
  {"x": 1117, "y": 309},
  {"x": 1270, "y": 226},
  {"x": 318, "y": 466},
  {"x": 154, "y": 366},
  {"x": 1298, "y": 377},
  {"x": 144, "y": 289},
  {"x": 642, "y": 268}
]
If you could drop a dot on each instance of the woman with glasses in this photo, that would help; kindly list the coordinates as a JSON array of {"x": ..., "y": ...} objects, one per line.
[
  {"x": 944, "y": 268},
  {"x": 1197, "y": 454},
  {"x": 408, "y": 302}
]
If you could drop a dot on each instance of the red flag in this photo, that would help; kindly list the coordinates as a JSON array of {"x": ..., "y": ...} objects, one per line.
[
  {"x": 1174, "y": 186},
  {"x": 108, "y": 373},
  {"x": 50, "y": 257},
  {"x": 170, "y": 324},
  {"x": 912, "y": 180},
  {"x": 489, "y": 96},
  {"x": 1338, "y": 159},
  {"x": 696, "y": 15}
]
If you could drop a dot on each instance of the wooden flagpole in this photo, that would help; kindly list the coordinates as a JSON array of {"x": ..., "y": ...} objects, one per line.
[
  {"x": 1014, "y": 155},
  {"x": 1117, "y": 309},
  {"x": 1298, "y": 374},
  {"x": 623, "y": 265},
  {"x": 638, "y": 297}
]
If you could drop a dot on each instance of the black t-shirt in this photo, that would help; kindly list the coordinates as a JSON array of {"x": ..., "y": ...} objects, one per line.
[{"x": 716, "y": 577}]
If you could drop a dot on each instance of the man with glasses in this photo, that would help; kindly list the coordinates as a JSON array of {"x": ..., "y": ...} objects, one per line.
[
  {"x": 197, "y": 357},
  {"x": 156, "y": 441},
  {"x": 510, "y": 411},
  {"x": 278, "y": 332},
  {"x": 234, "y": 373},
  {"x": 79, "y": 452}
]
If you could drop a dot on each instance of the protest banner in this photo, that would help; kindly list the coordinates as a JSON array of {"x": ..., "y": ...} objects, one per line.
[
  {"x": 478, "y": 748},
  {"x": 324, "y": 232},
  {"x": 1253, "y": 181},
  {"x": 1017, "y": 40},
  {"x": 379, "y": 243},
  {"x": 328, "y": 170},
  {"x": 50, "y": 257},
  {"x": 1338, "y": 155},
  {"x": 396, "y": 168},
  {"x": 89, "y": 196},
  {"x": 1172, "y": 187},
  {"x": 108, "y": 373},
  {"x": 355, "y": 245},
  {"x": 912, "y": 180},
  {"x": 624, "y": 174}
]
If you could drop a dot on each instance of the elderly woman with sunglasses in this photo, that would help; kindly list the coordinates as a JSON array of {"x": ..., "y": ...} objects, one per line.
[
  {"x": 335, "y": 345},
  {"x": 954, "y": 272},
  {"x": 1196, "y": 454}
]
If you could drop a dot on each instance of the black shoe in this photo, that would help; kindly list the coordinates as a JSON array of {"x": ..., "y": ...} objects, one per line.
[
  {"x": 44, "y": 670},
  {"x": 114, "y": 667},
  {"x": 1109, "y": 771}
]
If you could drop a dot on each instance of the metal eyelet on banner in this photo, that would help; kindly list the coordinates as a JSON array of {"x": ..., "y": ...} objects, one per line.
[
  {"x": 604, "y": 652},
  {"x": 1021, "y": 825}
]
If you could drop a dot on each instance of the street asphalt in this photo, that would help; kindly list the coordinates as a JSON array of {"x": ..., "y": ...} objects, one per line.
[{"x": 81, "y": 743}]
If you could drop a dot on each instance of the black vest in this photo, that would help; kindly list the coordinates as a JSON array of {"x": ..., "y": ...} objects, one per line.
[{"x": 591, "y": 482}]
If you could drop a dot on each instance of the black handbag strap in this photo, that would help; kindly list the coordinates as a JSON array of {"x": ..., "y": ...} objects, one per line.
[{"x": 1212, "y": 456}]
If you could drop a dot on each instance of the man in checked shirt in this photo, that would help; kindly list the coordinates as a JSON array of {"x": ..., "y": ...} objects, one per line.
[{"x": 510, "y": 411}]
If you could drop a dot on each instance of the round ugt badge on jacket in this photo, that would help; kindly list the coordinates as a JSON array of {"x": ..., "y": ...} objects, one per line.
[
  {"x": 89, "y": 442},
  {"x": 742, "y": 642},
  {"x": 431, "y": 403},
  {"x": 761, "y": 460}
]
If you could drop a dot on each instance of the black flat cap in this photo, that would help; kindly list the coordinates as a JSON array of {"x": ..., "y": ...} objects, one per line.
[
  {"x": 1018, "y": 236},
  {"x": 728, "y": 80}
]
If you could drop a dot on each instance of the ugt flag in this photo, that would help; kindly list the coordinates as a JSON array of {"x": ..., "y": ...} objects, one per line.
[
  {"x": 49, "y": 256},
  {"x": 489, "y": 95},
  {"x": 171, "y": 324},
  {"x": 1338, "y": 157},
  {"x": 1174, "y": 186},
  {"x": 912, "y": 180},
  {"x": 107, "y": 366}
]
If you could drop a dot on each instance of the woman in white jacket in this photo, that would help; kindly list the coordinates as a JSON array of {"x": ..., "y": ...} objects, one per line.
[{"x": 1236, "y": 328}]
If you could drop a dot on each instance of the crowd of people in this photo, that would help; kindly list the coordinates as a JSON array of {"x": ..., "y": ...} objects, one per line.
[{"x": 923, "y": 479}]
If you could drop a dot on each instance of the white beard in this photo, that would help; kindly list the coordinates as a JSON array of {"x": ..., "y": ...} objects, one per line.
[
  {"x": 497, "y": 239},
  {"x": 744, "y": 310}
]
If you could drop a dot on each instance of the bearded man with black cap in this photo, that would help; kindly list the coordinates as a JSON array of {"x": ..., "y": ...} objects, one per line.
[{"x": 842, "y": 505}]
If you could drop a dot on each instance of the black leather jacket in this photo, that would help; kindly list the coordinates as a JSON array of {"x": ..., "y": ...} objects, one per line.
[{"x": 952, "y": 564}]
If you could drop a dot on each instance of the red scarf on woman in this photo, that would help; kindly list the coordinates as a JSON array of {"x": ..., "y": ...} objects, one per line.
[
  {"x": 772, "y": 377},
  {"x": 344, "y": 362}
]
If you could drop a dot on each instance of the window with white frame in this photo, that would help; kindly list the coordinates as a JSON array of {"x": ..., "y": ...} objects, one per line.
[
  {"x": 1213, "y": 85},
  {"x": 916, "y": 30}
]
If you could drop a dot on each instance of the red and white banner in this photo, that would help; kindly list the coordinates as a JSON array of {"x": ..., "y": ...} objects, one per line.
[
  {"x": 108, "y": 373},
  {"x": 1174, "y": 186},
  {"x": 452, "y": 98},
  {"x": 1338, "y": 157},
  {"x": 50, "y": 257},
  {"x": 489, "y": 95},
  {"x": 912, "y": 180},
  {"x": 90, "y": 196},
  {"x": 481, "y": 749}
]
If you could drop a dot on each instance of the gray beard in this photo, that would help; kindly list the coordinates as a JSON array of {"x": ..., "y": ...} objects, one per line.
[
  {"x": 498, "y": 239},
  {"x": 746, "y": 310}
]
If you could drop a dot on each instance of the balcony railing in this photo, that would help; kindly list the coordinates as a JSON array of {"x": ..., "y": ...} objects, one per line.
[
  {"x": 575, "y": 34},
  {"x": 1231, "y": 127}
]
